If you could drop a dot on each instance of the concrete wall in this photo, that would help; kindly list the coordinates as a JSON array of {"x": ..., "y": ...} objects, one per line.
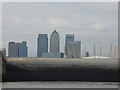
[
  {"x": 37, "y": 63},
  {"x": 62, "y": 69}
]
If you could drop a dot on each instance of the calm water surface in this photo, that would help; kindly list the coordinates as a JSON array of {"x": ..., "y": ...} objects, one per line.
[{"x": 59, "y": 84}]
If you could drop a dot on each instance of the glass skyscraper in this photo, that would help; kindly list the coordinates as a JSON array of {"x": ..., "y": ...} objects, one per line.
[
  {"x": 42, "y": 44},
  {"x": 12, "y": 49},
  {"x": 17, "y": 49},
  {"x": 68, "y": 38},
  {"x": 54, "y": 42}
]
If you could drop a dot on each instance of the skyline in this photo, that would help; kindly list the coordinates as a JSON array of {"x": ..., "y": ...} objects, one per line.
[
  {"x": 89, "y": 22},
  {"x": 71, "y": 47}
]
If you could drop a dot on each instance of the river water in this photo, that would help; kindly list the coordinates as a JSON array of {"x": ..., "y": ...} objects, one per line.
[{"x": 59, "y": 84}]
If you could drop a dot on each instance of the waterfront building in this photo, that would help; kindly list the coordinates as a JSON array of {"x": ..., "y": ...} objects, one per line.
[
  {"x": 54, "y": 42},
  {"x": 12, "y": 49},
  {"x": 21, "y": 49},
  {"x": 17, "y": 49},
  {"x": 24, "y": 49},
  {"x": 54, "y": 47},
  {"x": 68, "y": 38},
  {"x": 74, "y": 49},
  {"x": 42, "y": 44}
]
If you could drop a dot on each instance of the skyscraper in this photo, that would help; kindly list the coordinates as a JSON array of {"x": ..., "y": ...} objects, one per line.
[
  {"x": 54, "y": 47},
  {"x": 12, "y": 49},
  {"x": 22, "y": 49},
  {"x": 68, "y": 38},
  {"x": 17, "y": 49},
  {"x": 54, "y": 42},
  {"x": 42, "y": 44},
  {"x": 74, "y": 49}
]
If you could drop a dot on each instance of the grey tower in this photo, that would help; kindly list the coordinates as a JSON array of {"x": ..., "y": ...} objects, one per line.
[
  {"x": 17, "y": 49},
  {"x": 42, "y": 44},
  {"x": 25, "y": 49},
  {"x": 68, "y": 38},
  {"x": 21, "y": 49},
  {"x": 54, "y": 42},
  {"x": 12, "y": 49}
]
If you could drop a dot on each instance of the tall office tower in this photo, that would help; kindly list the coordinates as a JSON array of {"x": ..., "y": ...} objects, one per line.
[
  {"x": 42, "y": 44},
  {"x": 17, "y": 49},
  {"x": 22, "y": 49},
  {"x": 74, "y": 49},
  {"x": 54, "y": 42},
  {"x": 12, "y": 49},
  {"x": 25, "y": 49},
  {"x": 18, "y": 45},
  {"x": 68, "y": 38}
]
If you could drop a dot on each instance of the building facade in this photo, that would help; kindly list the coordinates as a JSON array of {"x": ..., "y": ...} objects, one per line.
[
  {"x": 54, "y": 42},
  {"x": 18, "y": 49},
  {"x": 42, "y": 44},
  {"x": 21, "y": 49},
  {"x": 74, "y": 49},
  {"x": 12, "y": 49},
  {"x": 68, "y": 38}
]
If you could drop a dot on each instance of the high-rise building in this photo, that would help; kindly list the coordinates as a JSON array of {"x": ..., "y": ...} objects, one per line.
[
  {"x": 22, "y": 49},
  {"x": 54, "y": 47},
  {"x": 68, "y": 38},
  {"x": 12, "y": 49},
  {"x": 18, "y": 49},
  {"x": 42, "y": 44},
  {"x": 25, "y": 49},
  {"x": 54, "y": 42},
  {"x": 74, "y": 49}
]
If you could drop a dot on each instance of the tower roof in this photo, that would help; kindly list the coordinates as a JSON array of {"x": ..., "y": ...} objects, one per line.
[{"x": 54, "y": 32}]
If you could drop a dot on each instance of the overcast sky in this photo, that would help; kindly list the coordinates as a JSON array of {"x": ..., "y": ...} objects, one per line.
[{"x": 90, "y": 22}]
